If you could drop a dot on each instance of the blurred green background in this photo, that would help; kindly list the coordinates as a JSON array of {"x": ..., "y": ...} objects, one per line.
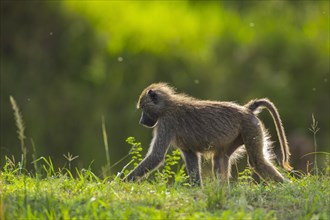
[{"x": 68, "y": 63}]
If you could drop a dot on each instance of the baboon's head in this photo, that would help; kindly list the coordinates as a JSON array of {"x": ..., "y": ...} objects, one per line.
[{"x": 154, "y": 101}]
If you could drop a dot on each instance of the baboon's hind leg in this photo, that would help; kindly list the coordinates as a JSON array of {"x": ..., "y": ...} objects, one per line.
[{"x": 253, "y": 138}]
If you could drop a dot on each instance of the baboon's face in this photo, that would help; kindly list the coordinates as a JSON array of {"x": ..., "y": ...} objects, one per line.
[
  {"x": 152, "y": 104},
  {"x": 147, "y": 120}
]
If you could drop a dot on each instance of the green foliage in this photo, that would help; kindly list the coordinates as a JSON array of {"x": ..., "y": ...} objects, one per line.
[{"x": 133, "y": 31}]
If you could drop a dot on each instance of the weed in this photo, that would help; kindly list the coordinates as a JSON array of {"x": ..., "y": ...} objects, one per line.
[
  {"x": 106, "y": 147},
  {"x": 20, "y": 129},
  {"x": 70, "y": 158},
  {"x": 314, "y": 129}
]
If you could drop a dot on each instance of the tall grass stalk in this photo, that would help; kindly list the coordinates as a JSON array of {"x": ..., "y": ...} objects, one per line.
[
  {"x": 106, "y": 146},
  {"x": 20, "y": 128},
  {"x": 314, "y": 129},
  {"x": 34, "y": 158}
]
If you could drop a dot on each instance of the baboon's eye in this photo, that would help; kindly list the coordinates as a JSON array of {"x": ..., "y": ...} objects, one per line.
[{"x": 153, "y": 95}]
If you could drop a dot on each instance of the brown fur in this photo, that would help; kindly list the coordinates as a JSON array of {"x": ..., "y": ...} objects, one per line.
[{"x": 202, "y": 127}]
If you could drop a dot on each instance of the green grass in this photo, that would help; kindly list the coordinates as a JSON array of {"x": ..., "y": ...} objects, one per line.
[{"x": 57, "y": 194}]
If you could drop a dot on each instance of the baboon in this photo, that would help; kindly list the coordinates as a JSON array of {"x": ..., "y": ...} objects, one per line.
[{"x": 199, "y": 127}]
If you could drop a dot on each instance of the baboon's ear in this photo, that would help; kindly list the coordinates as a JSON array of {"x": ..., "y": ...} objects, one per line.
[{"x": 153, "y": 95}]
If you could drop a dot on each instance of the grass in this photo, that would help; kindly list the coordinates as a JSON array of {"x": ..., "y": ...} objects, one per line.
[
  {"x": 80, "y": 194},
  {"x": 69, "y": 193}
]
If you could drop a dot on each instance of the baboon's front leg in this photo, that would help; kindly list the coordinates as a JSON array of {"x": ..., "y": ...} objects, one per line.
[
  {"x": 193, "y": 167},
  {"x": 148, "y": 164},
  {"x": 154, "y": 158}
]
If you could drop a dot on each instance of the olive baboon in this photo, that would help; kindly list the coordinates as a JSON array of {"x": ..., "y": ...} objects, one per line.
[{"x": 199, "y": 126}]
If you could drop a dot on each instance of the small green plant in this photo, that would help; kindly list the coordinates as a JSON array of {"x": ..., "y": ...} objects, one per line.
[
  {"x": 180, "y": 177},
  {"x": 135, "y": 151},
  {"x": 167, "y": 173},
  {"x": 135, "y": 154},
  {"x": 245, "y": 177}
]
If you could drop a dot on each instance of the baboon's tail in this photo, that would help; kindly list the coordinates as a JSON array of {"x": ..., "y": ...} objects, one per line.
[{"x": 258, "y": 104}]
